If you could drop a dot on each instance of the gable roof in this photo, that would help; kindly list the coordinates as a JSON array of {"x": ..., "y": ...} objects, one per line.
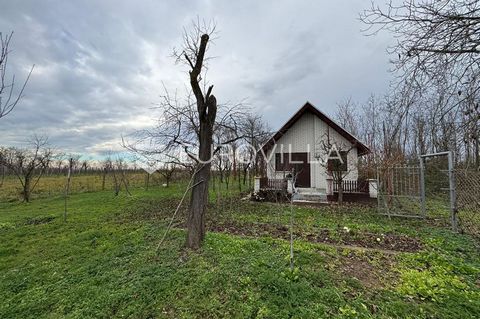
[{"x": 309, "y": 108}]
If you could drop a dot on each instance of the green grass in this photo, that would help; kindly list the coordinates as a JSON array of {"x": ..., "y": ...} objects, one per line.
[{"x": 102, "y": 263}]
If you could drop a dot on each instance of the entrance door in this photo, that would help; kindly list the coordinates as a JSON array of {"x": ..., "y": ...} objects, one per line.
[{"x": 302, "y": 170}]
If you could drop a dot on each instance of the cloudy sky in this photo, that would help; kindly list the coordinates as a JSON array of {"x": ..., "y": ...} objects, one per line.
[{"x": 99, "y": 65}]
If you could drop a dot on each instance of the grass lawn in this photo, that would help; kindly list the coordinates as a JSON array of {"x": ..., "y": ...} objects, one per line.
[{"x": 349, "y": 262}]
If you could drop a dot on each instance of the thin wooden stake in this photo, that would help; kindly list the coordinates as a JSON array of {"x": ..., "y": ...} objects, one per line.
[{"x": 67, "y": 188}]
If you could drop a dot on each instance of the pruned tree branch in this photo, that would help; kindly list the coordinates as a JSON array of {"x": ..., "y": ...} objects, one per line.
[{"x": 8, "y": 98}]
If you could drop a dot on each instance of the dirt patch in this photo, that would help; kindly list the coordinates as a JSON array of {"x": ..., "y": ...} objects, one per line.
[
  {"x": 39, "y": 220},
  {"x": 372, "y": 272},
  {"x": 387, "y": 241},
  {"x": 152, "y": 210},
  {"x": 162, "y": 211},
  {"x": 392, "y": 242}
]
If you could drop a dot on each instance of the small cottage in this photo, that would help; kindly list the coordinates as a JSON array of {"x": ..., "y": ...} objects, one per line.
[{"x": 307, "y": 151}]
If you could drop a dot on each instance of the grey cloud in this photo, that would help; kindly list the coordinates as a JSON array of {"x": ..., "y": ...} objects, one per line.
[{"x": 100, "y": 65}]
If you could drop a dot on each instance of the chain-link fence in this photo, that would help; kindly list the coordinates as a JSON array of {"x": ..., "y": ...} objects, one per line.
[
  {"x": 433, "y": 190},
  {"x": 468, "y": 201}
]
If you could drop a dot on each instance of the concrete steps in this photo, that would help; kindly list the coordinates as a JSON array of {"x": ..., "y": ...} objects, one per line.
[{"x": 310, "y": 195}]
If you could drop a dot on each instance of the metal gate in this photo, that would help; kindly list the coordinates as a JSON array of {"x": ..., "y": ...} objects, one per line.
[
  {"x": 438, "y": 193},
  {"x": 423, "y": 190},
  {"x": 399, "y": 190}
]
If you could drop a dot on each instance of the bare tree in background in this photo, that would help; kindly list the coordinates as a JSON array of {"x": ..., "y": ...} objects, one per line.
[
  {"x": 85, "y": 165},
  {"x": 438, "y": 49},
  {"x": 8, "y": 97},
  {"x": 167, "y": 171},
  {"x": 67, "y": 188},
  {"x": 256, "y": 133},
  {"x": 117, "y": 168},
  {"x": 336, "y": 161},
  {"x": 2, "y": 168},
  {"x": 59, "y": 162},
  {"x": 28, "y": 165},
  {"x": 74, "y": 160},
  {"x": 431, "y": 35},
  {"x": 346, "y": 116}
]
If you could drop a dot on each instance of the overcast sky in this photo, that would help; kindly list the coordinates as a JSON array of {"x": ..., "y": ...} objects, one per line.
[{"x": 99, "y": 65}]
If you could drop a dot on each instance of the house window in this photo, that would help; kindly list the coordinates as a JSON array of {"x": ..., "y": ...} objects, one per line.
[{"x": 334, "y": 165}]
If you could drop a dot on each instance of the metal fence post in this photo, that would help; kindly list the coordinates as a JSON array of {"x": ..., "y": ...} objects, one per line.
[
  {"x": 422, "y": 187},
  {"x": 453, "y": 197}
]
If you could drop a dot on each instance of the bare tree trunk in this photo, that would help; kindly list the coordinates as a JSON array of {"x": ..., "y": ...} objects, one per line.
[
  {"x": 207, "y": 112},
  {"x": 214, "y": 189},
  {"x": 199, "y": 199},
  {"x": 167, "y": 179},
  {"x": 116, "y": 183},
  {"x": 477, "y": 153},
  {"x": 221, "y": 172},
  {"x": 245, "y": 168},
  {"x": 104, "y": 174},
  {"x": 234, "y": 150},
  {"x": 3, "y": 175},
  {"x": 239, "y": 177},
  {"x": 26, "y": 189},
  {"x": 227, "y": 177},
  {"x": 340, "y": 192},
  {"x": 125, "y": 182}
]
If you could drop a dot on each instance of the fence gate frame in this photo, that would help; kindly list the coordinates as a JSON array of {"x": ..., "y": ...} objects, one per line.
[
  {"x": 451, "y": 187},
  {"x": 399, "y": 182},
  {"x": 417, "y": 193}
]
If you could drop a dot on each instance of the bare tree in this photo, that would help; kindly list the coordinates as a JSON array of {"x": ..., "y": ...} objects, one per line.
[
  {"x": 437, "y": 48},
  {"x": 117, "y": 168},
  {"x": 189, "y": 125},
  {"x": 67, "y": 187},
  {"x": 336, "y": 160},
  {"x": 28, "y": 165},
  {"x": 85, "y": 165},
  {"x": 3, "y": 169},
  {"x": 194, "y": 49},
  {"x": 106, "y": 166},
  {"x": 431, "y": 34},
  {"x": 8, "y": 98},
  {"x": 167, "y": 171},
  {"x": 59, "y": 162},
  {"x": 346, "y": 115},
  {"x": 256, "y": 132}
]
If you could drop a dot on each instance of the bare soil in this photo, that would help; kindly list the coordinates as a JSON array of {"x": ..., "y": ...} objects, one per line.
[
  {"x": 373, "y": 272},
  {"x": 390, "y": 242}
]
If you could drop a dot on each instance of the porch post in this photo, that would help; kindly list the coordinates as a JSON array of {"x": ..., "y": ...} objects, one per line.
[
  {"x": 256, "y": 185},
  {"x": 372, "y": 188}
]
